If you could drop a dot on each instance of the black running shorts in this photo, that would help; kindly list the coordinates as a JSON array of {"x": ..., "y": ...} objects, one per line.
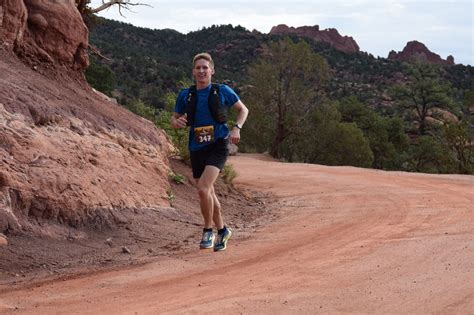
[{"x": 214, "y": 154}]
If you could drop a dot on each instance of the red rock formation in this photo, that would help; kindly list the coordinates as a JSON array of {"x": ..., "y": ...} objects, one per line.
[
  {"x": 13, "y": 16},
  {"x": 330, "y": 36},
  {"x": 67, "y": 155},
  {"x": 415, "y": 50},
  {"x": 42, "y": 30}
]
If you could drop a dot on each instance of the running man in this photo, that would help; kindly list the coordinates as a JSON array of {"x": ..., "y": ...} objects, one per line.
[{"x": 204, "y": 108}]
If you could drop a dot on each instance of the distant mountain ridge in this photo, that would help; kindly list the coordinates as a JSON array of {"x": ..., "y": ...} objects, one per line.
[
  {"x": 149, "y": 63},
  {"x": 414, "y": 50}
]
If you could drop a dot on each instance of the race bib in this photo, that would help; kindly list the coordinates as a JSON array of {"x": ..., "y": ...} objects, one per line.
[{"x": 204, "y": 134}]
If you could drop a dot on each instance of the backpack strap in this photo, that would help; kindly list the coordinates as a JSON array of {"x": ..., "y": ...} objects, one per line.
[
  {"x": 218, "y": 112},
  {"x": 191, "y": 101}
]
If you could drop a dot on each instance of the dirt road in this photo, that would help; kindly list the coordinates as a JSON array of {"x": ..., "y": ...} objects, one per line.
[{"x": 347, "y": 240}]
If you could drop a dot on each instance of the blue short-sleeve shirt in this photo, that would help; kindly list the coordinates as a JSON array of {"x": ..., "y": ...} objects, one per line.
[{"x": 203, "y": 115}]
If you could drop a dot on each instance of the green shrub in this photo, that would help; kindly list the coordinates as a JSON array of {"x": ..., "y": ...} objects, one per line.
[
  {"x": 100, "y": 77},
  {"x": 179, "y": 137},
  {"x": 142, "y": 109},
  {"x": 177, "y": 178},
  {"x": 228, "y": 174},
  {"x": 170, "y": 195}
]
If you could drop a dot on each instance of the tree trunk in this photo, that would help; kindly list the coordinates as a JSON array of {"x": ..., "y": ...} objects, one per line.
[{"x": 280, "y": 136}]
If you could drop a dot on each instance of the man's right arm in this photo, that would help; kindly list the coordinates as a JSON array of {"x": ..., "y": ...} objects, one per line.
[{"x": 178, "y": 121}]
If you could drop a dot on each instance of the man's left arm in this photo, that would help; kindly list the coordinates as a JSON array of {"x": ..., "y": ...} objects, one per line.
[{"x": 239, "y": 121}]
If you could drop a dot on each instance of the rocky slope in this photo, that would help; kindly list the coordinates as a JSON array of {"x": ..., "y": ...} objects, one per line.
[
  {"x": 330, "y": 36},
  {"x": 68, "y": 155},
  {"x": 415, "y": 50}
]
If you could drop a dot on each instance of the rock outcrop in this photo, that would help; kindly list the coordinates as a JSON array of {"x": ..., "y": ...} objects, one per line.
[
  {"x": 330, "y": 36},
  {"x": 68, "y": 155},
  {"x": 45, "y": 31},
  {"x": 416, "y": 51}
]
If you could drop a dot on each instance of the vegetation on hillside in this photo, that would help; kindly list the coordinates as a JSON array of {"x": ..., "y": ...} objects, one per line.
[
  {"x": 308, "y": 102},
  {"x": 283, "y": 88}
]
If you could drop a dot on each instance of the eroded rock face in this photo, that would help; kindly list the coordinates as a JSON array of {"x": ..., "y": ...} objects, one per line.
[
  {"x": 45, "y": 30},
  {"x": 415, "y": 50},
  {"x": 331, "y": 36},
  {"x": 71, "y": 156},
  {"x": 13, "y": 16},
  {"x": 67, "y": 172}
]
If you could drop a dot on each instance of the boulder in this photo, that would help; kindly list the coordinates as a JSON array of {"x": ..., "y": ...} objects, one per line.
[
  {"x": 233, "y": 149},
  {"x": 45, "y": 31}
]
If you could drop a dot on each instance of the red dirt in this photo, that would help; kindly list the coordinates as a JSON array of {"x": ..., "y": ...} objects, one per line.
[
  {"x": 149, "y": 234},
  {"x": 347, "y": 240}
]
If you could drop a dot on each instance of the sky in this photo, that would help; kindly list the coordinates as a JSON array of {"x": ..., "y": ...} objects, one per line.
[{"x": 378, "y": 26}]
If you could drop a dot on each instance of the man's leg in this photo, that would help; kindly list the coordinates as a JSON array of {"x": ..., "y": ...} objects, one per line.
[
  {"x": 217, "y": 216},
  {"x": 207, "y": 196}
]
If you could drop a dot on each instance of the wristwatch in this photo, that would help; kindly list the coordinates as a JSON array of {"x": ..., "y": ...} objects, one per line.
[{"x": 238, "y": 126}]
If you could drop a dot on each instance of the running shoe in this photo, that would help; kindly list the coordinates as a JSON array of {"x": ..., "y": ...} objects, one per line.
[
  {"x": 221, "y": 242},
  {"x": 207, "y": 240}
]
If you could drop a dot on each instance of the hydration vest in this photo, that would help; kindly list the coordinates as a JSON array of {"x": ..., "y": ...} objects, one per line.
[{"x": 218, "y": 112}]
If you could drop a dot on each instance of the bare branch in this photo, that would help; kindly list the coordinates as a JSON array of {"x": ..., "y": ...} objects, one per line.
[
  {"x": 96, "y": 51},
  {"x": 122, "y": 4}
]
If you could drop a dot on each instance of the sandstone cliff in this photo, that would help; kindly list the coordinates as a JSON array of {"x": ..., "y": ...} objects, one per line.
[
  {"x": 68, "y": 155},
  {"x": 330, "y": 36},
  {"x": 415, "y": 50},
  {"x": 45, "y": 31}
]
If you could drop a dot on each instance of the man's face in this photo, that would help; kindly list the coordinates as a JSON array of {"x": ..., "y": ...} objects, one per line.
[{"x": 202, "y": 72}]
